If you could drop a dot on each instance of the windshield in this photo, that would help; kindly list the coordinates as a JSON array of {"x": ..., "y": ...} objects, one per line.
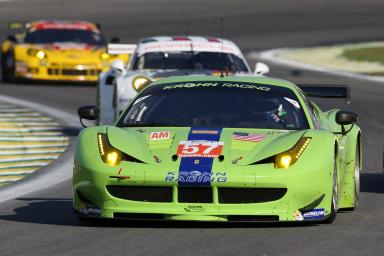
[
  {"x": 47, "y": 36},
  {"x": 216, "y": 104},
  {"x": 190, "y": 61}
]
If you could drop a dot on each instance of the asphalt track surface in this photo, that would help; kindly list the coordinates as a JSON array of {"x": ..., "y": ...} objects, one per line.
[{"x": 43, "y": 223}]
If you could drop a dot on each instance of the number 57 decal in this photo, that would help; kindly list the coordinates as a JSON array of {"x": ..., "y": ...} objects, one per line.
[{"x": 200, "y": 148}]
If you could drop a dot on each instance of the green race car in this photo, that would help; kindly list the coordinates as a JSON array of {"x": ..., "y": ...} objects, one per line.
[{"x": 205, "y": 148}]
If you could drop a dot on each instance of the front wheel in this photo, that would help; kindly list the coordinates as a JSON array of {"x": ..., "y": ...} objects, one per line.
[
  {"x": 335, "y": 192},
  {"x": 7, "y": 67}
]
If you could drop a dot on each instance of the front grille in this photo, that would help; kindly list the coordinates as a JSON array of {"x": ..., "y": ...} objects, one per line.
[
  {"x": 250, "y": 195},
  {"x": 77, "y": 72},
  {"x": 73, "y": 72},
  {"x": 53, "y": 71},
  {"x": 143, "y": 194},
  {"x": 195, "y": 195}
]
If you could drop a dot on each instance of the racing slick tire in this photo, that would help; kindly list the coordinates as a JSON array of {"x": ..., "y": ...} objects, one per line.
[
  {"x": 335, "y": 191},
  {"x": 6, "y": 71},
  {"x": 356, "y": 181}
]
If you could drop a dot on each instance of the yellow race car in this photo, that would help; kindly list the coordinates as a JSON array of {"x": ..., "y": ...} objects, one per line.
[{"x": 55, "y": 50}]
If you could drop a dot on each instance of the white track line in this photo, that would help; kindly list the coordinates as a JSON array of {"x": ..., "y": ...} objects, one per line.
[
  {"x": 271, "y": 56},
  {"x": 60, "y": 171},
  {"x": 30, "y": 129},
  {"x": 38, "y": 164},
  {"x": 17, "y": 172},
  {"x": 34, "y": 146},
  {"x": 30, "y": 152},
  {"x": 28, "y": 158},
  {"x": 32, "y": 139}
]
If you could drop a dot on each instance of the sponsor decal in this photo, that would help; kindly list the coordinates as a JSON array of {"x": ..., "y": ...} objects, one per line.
[
  {"x": 297, "y": 216},
  {"x": 200, "y": 148},
  {"x": 203, "y": 147},
  {"x": 314, "y": 214},
  {"x": 252, "y": 86},
  {"x": 309, "y": 215},
  {"x": 163, "y": 135},
  {"x": 193, "y": 177},
  {"x": 246, "y": 86},
  {"x": 248, "y": 137},
  {"x": 194, "y": 208}
]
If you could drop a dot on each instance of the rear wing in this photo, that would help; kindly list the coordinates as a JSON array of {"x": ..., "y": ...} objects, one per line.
[
  {"x": 121, "y": 48},
  {"x": 327, "y": 91}
]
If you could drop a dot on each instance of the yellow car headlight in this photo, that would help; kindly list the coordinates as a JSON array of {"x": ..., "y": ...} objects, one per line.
[
  {"x": 108, "y": 153},
  {"x": 105, "y": 56},
  {"x": 40, "y": 54},
  {"x": 289, "y": 157},
  {"x": 140, "y": 82}
]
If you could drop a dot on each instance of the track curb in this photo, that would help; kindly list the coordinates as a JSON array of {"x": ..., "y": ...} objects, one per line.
[{"x": 58, "y": 171}]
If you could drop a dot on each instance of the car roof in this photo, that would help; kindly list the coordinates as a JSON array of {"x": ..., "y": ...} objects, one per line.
[
  {"x": 241, "y": 79},
  {"x": 187, "y": 43},
  {"x": 62, "y": 24}
]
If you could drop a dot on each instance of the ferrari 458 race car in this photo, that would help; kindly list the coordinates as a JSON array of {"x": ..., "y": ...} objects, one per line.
[
  {"x": 164, "y": 56},
  {"x": 199, "y": 148},
  {"x": 55, "y": 50}
]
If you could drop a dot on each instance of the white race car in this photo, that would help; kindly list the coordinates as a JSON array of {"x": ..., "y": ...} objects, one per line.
[{"x": 163, "y": 56}]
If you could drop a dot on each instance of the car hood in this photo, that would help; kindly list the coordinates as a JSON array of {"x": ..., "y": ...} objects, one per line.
[{"x": 243, "y": 146}]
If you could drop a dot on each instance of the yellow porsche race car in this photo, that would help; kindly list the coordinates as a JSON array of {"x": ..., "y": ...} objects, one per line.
[{"x": 55, "y": 50}]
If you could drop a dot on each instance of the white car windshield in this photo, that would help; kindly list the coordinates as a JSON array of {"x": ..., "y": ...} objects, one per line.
[{"x": 214, "y": 61}]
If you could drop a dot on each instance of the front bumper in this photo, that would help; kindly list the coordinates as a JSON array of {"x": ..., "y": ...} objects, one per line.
[
  {"x": 305, "y": 191},
  {"x": 59, "y": 71}
]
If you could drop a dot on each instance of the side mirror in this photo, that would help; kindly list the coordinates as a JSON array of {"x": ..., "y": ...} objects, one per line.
[
  {"x": 261, "y": 69},
  {"x": 118, "y": 67},
  {"x": 12, "y": 38},
  {"x": 88, "y": 113},
  {"x": 115, "y": 40},
  {"x": 346, "y": 118}
]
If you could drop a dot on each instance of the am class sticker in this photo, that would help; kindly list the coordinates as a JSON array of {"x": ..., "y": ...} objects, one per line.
[{"x": 162, "y": 135}]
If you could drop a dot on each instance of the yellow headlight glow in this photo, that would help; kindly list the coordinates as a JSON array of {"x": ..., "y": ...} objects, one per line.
[
  {"x": 40, "y": 55},
  {"x": 113, "y": 157},
  {"x": 140, "y": 82},
  {"x": 108, "y": 153},
  {"x": 105, "y": 56},
  {"x": 288, "y": 158}
]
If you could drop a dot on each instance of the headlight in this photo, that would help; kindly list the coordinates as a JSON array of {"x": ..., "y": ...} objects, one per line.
[
  {"x": 40, "y": 54},
  {"x": 105, "y": 56},
  {"x": 109, "y": 154},
  {"x": 140, "y": 82},
  {"x": 288, "y": 158}
]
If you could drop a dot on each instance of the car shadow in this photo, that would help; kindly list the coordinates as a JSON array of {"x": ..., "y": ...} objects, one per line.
[
  {"x": 57, "y": 211},
  {"x": 372, "y": 182}
]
